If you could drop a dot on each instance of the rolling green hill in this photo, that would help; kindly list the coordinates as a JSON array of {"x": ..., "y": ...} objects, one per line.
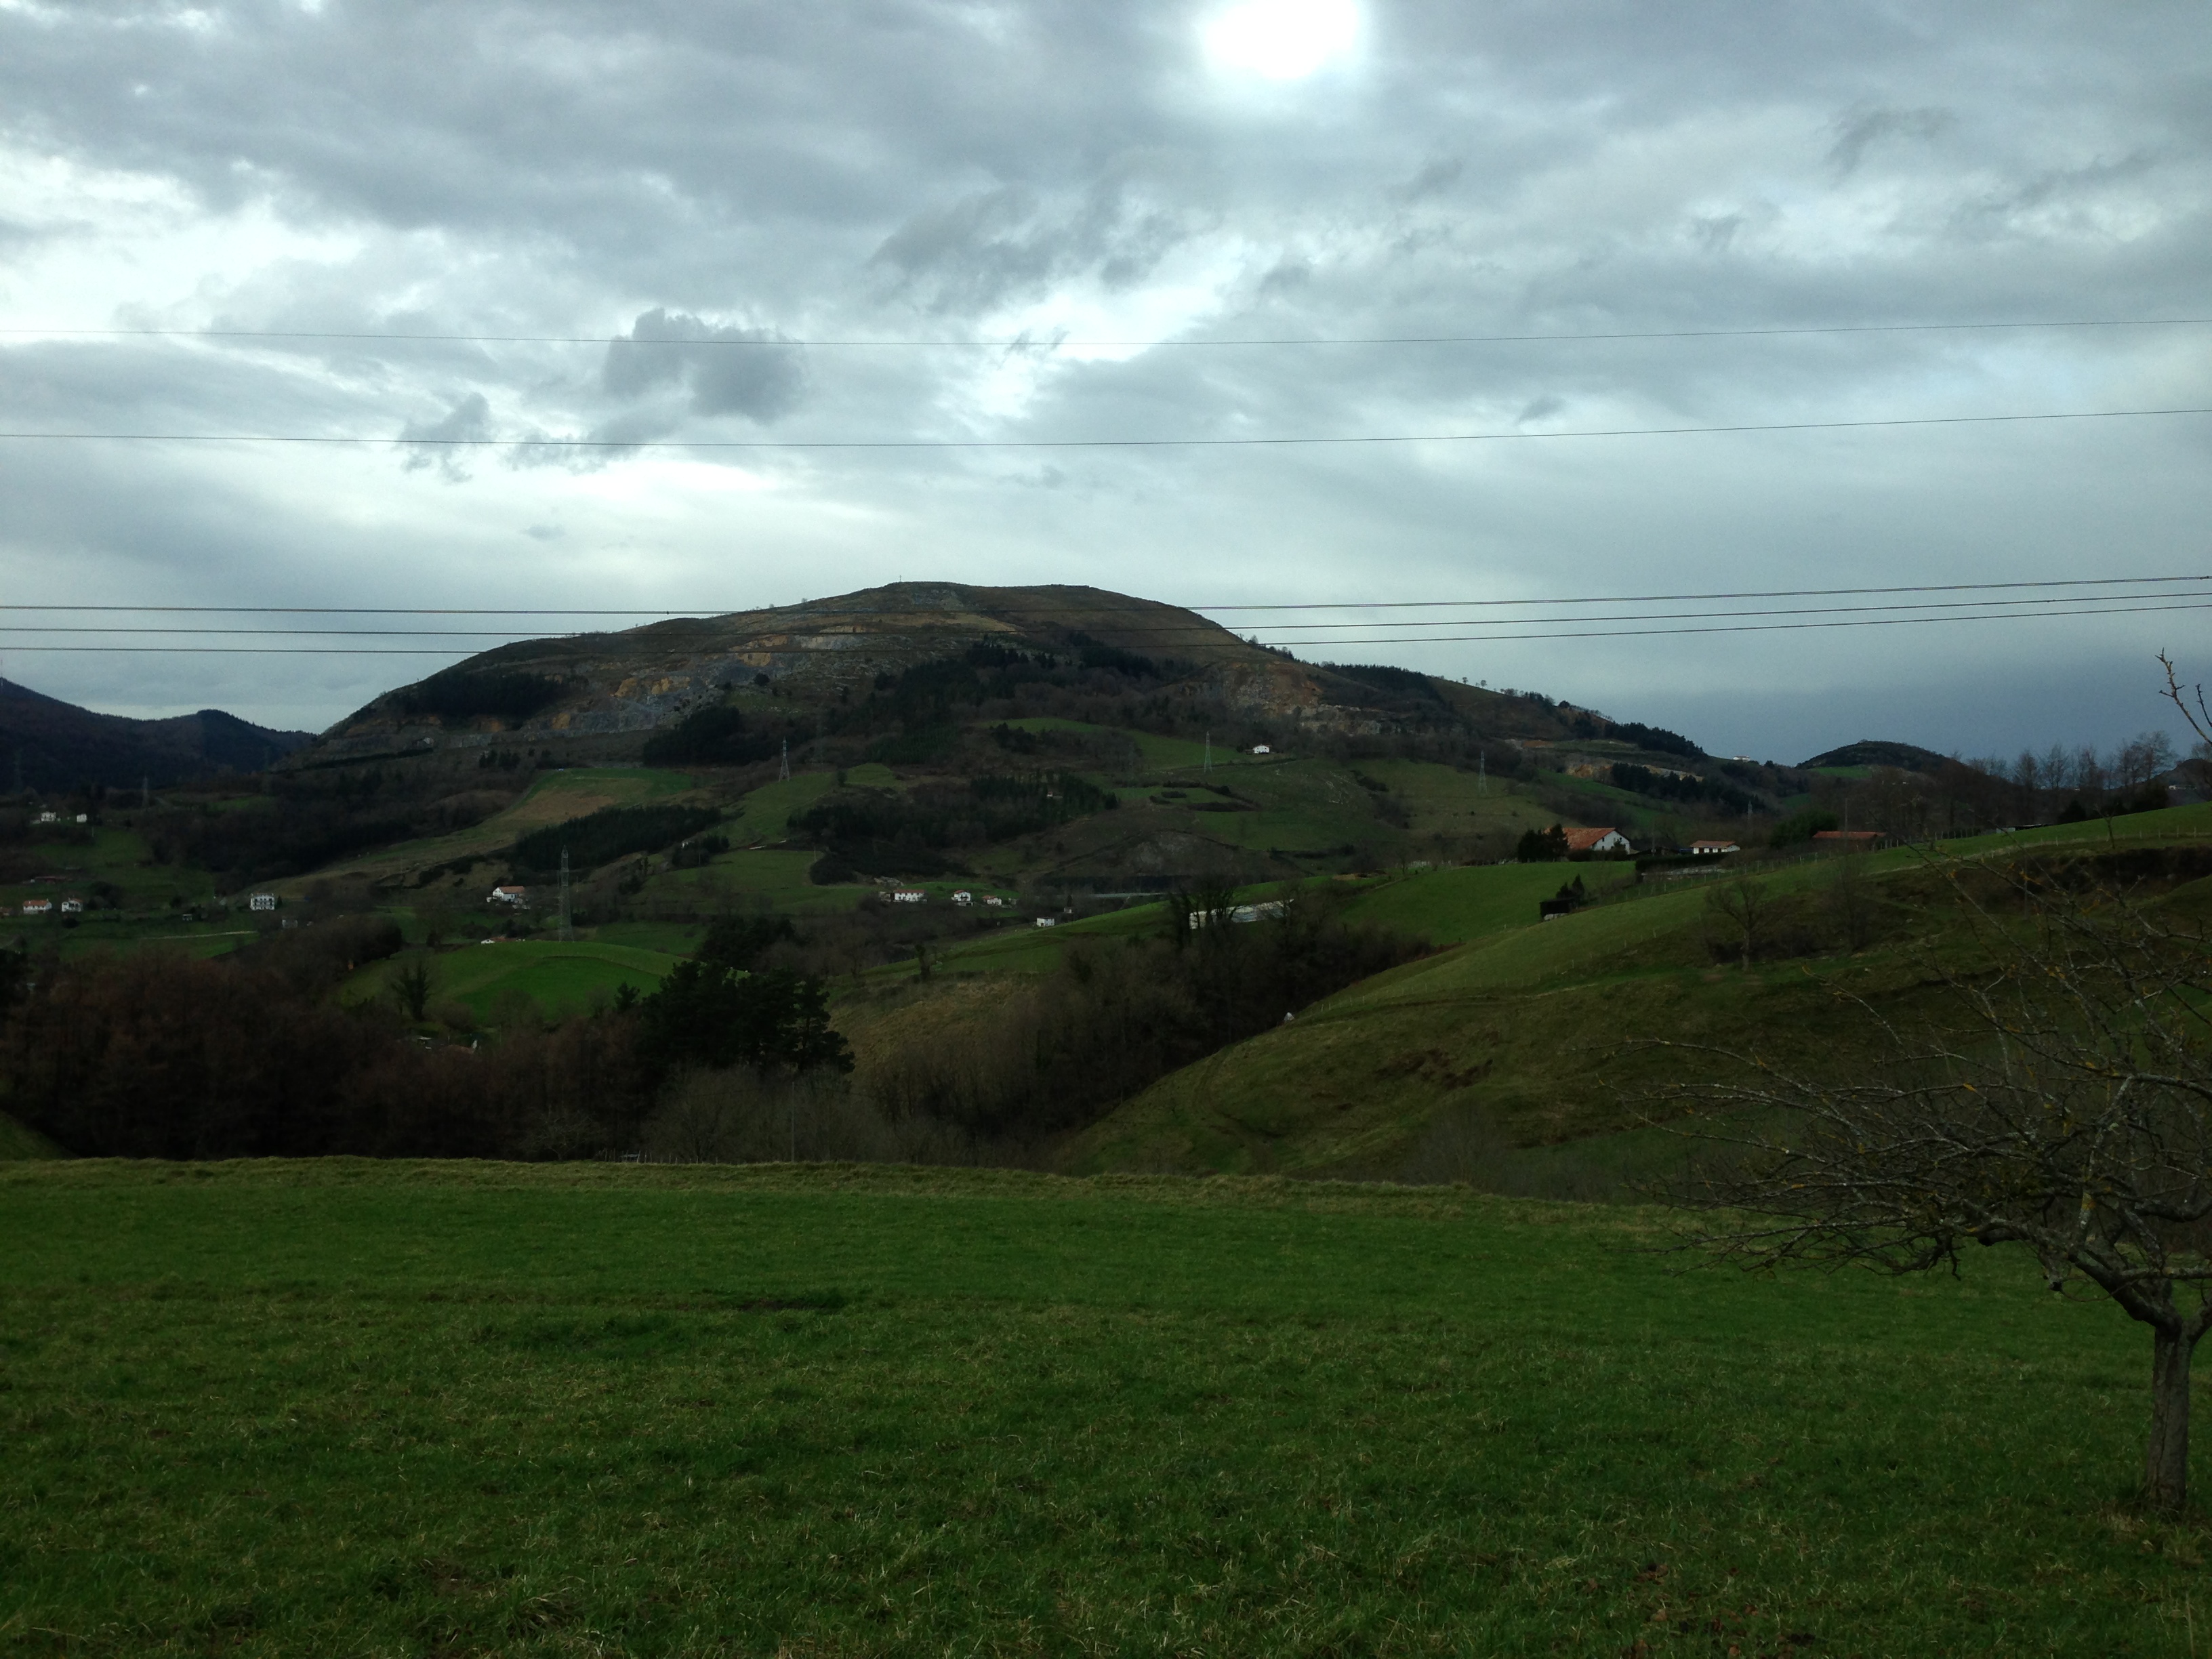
[{"x": 1493, "y": 1059}]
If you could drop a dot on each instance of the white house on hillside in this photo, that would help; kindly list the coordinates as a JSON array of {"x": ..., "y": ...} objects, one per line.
[{"x": 1602, "y": 840}]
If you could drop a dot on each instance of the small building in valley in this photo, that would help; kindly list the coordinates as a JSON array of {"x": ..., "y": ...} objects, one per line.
[
  {"x": 1602, "y": 840},
  {"x": 517, "y": 897},
  {"x": 1713, "y": 849},
  {"x": 909, "y": 895}
]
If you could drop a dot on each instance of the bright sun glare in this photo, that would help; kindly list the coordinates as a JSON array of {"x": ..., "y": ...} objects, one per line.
[{"x": 1282, "y": 39}]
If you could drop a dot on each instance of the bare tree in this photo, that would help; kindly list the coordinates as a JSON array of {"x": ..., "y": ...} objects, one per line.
[
  {"x": 412, "y": 986},
  {"x": 2061, "y": 1101},
  {"x": 1744, "y": 908},
  {"x": 2189, "y": 699}
]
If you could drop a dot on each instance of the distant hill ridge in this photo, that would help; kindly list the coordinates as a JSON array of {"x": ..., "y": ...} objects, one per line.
[
  {"x": 601, "y": 696},
  {"x": 1905, "y": 757},
  {"x": 53, "y": 745}
]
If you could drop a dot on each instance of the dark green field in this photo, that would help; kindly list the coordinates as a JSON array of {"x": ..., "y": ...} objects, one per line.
[{"x": 341, "y": 1408}]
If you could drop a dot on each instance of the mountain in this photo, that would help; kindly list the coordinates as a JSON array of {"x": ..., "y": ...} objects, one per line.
[
  {"x": 601, "y": 697},
  {"x": 1904, "y": 757},
  {"x": 48, "y": 744}
]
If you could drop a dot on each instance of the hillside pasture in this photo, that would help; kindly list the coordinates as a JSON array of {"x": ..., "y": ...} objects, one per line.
[
  {"x": 1451, "y": 906},
  {"x": 554, "y": 797},
  {"x": 1528, "y": 1036},
  {"x": 338, "y": 1407},
  {"x": 556, "y": 978}
]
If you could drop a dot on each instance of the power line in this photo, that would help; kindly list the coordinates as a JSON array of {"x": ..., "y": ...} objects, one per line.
[
  {"x": 1145, "y": 608},
  {"x": 1424, "y": 639},
  {"x": 732, "y": 445},
  {"x": 1183, "y": 628},
  {"x": 1027, "y": 342}
]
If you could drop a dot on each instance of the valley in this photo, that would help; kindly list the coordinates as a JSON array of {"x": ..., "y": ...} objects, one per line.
[{"x": 940, "y": 802}]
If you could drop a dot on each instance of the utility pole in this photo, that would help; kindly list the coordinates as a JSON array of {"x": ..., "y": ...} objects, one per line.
[
  {"x": 784, "y": 776},
  {"x": 568, "y": 932},
  {"x": 145, "y": 789},
  {"x": 1482, "y": 771},
  {"x": 1208, "y": 770}
]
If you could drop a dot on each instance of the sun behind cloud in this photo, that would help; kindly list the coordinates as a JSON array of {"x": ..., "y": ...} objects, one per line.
[{"x": 1282, "y": 39}]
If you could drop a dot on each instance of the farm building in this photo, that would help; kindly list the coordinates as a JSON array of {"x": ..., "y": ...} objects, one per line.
[
  {"x": 1849, "y": 840},
  {"x": 1713, "y": 849},
  {"x": 1602, "y": 840},
  {"x": 518, "y": 897},
  {"x": 37, "y": 907}
]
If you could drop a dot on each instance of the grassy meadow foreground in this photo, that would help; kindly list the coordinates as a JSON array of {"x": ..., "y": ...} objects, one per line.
[{"x": 340, "y": 1408}]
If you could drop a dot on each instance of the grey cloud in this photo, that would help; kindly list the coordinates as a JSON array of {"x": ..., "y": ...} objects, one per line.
[
  {"x": 551, "y": 168},
  {"x": 1007, "y": 244},
  {"x": 443, "y": 443},
  {"x": 1437, "y": 175},
  {"x": 1860, "y": 130},
  {"x": 728, "y": 370}
]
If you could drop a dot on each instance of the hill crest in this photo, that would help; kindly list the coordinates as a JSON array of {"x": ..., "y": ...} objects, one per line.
[
  {"x": 601, "y": 695},
  {"x": 53, "y": 745}
]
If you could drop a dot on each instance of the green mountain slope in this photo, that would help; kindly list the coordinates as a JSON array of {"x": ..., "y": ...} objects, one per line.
[{"x": 1526, "y": 1036}]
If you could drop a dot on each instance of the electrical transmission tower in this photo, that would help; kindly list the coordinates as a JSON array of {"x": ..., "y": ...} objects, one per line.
[{"x": 784, "y": 774}]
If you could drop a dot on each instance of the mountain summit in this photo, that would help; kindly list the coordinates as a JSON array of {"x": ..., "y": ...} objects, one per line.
[{"x": 600, "y": 696}]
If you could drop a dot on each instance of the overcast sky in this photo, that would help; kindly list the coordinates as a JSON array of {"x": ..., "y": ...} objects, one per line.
[{"x": 729, "y": 178}]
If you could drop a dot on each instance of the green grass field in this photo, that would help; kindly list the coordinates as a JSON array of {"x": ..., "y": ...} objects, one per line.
[
  {"x": 561, "y": 979},
  {"x": 343, "y": 1409}
]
